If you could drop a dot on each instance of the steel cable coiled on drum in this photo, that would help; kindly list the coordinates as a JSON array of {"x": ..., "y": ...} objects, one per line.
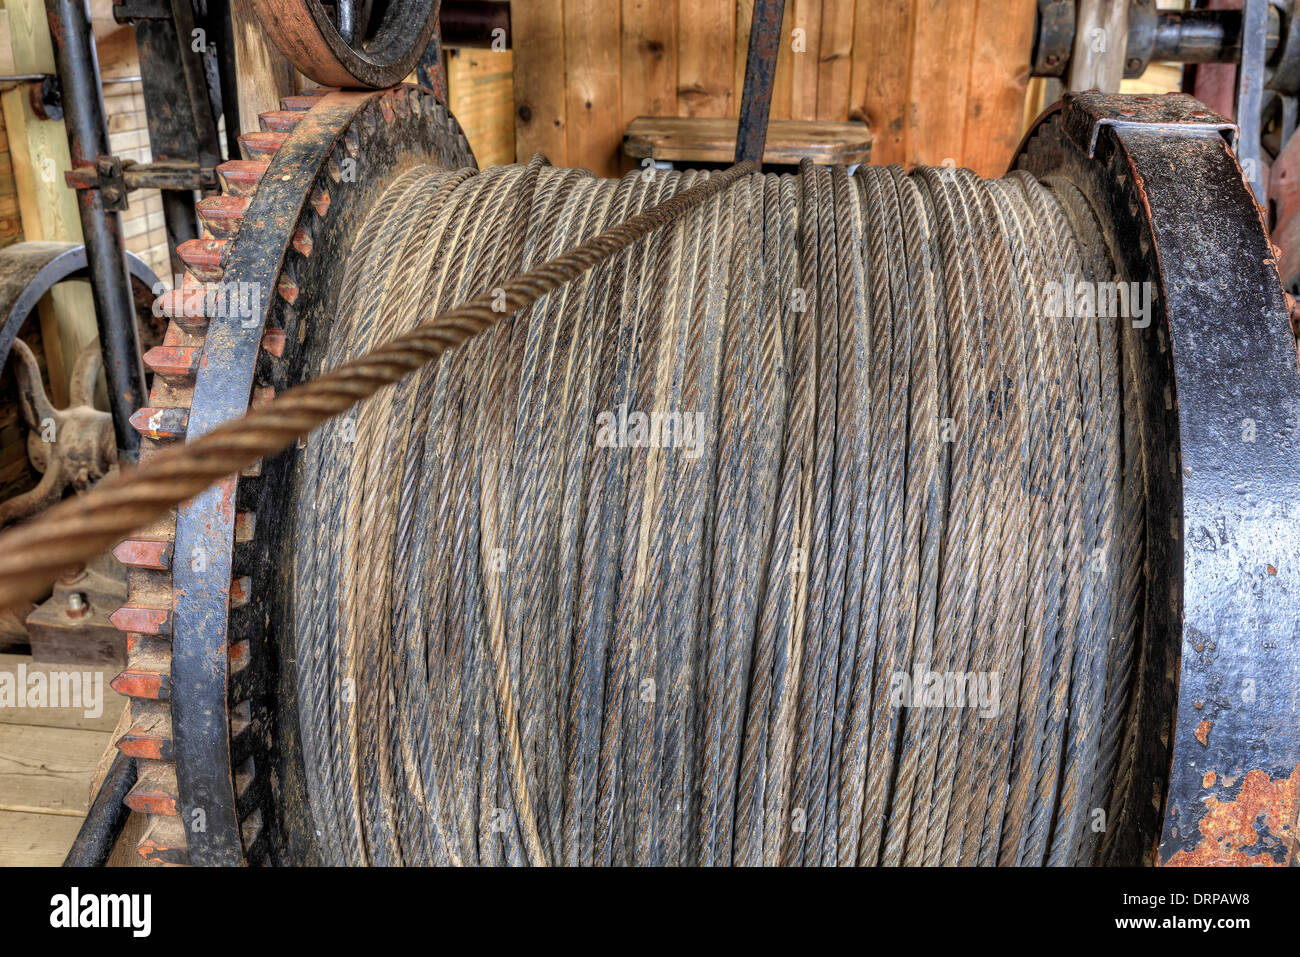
[{"x": 636, "y": 575}]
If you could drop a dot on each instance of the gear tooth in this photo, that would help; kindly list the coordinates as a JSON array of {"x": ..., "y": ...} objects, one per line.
[
  {"x": 261, "y": 146},
  {"x": 149, "y": 737},
  {"x": 186, "y": 307},
  {"x": 203, "y": 257},
  {"x": 320, "y": 201},
  {"x": 173, "y": 361},
  {"x": 148, "y": 680},
  {"x": 142, "y": 619},
  {"x": 318, "y": 90},
  {"x": 155, "y": 790},
  {"x": 166, "y": 423},
  {"x": 145, "y": 553},
  {"x": 164, "y": 842},
  {"x": 273, "y": 341},
  {"x": 302, "y": 242},
  {"x": 240, "y": 591},
  {"x": 287, "y": 288},
  {"x": 222, "y": 215},
  {"x": 240, "y": 177},
  {"x": 300, "y": 103},
  {"x": 279, "y": 121}
]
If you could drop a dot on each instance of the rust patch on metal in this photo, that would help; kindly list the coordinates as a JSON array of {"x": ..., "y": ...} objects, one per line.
[
  {"x": 1256, "y": 828},
  {"x": 1203, "y": 733},
  {"x": 1207, "y": 781}
]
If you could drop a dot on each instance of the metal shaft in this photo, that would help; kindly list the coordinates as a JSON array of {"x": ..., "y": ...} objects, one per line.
[{"x": 83, "y": 102}]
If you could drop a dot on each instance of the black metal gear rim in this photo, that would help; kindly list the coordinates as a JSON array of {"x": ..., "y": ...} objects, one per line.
[
  {"x": 1216, "y": 729},
  {"x": 295, "y": 233}
]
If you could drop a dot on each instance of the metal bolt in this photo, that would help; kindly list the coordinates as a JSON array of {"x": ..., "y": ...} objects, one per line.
[
  {"x": 1053, "y": 59},
  {"x": 76, "y": 605}
]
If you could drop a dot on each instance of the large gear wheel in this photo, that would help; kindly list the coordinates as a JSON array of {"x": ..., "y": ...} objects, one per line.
[{"x": 251, "y": 319}]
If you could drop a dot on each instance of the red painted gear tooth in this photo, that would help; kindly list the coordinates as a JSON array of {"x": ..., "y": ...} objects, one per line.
[
  {"x": 287, "y": 288},
  {"x": 142, "y": 619},
  {"x": 151, "y": 800},
  {"x": 300, "y": 103},
  {"x": 203, "y": 257},
  {"x": 173, "y": 361},
  {"x": 140, "y": 742},
  {"x": 222, "y": 215},
  {"x": 152, "y": 684},
  {"x": 273, "y": 341},
  {"x": 240, "y": 177},
  {"x": 186, "y": 307},
  {"x": 320, "y": 201},
  {"x": 164, "y": 842},
  {"x": 302, "y": 242},
  {"x": 161, "y": 423},
  {"x": 144, "y": 553},
  {"x": 279, "y": 121},
  {"x": 261, "y": 146}
]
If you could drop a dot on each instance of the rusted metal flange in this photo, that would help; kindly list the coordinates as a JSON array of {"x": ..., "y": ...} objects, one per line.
[
  {"x": 1214, "y": 735},
  {"x": 344, "y": 53},
  {"x": 212, "y": 711}
]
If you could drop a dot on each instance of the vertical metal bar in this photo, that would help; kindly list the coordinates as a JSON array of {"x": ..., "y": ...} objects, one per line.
[
  {"x": 1250, "y": 92},
  {"x": 196, "y": 87},
  {"x": 83, "y": 108},
  {"x": 760, "y": 71}
]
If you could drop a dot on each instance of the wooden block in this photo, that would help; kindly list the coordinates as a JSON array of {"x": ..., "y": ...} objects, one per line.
[
  {"x": 701, "y": 140},
  {"x": 265, "y": 76}
]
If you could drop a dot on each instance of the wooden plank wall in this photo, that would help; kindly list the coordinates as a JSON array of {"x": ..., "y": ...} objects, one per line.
[
  {"x": 937, "y": 79},
  {"x": 479, "y": 88}
]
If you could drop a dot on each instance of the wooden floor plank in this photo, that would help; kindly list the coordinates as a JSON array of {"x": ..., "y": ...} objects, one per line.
[
  {"x": 48, "y": 769},
  {"x": 35, "y": 840},
  {"x": 113, "y": 702}
]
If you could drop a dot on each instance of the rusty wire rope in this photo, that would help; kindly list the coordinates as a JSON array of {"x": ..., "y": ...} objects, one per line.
[
  {"x": 848, "y": 445},
  {"x": 529, "y": 641}
]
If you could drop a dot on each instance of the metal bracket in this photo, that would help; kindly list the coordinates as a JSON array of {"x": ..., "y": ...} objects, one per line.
[
  {"x": 114, "y": 178},
  {"x": 1174, "y": 113}
]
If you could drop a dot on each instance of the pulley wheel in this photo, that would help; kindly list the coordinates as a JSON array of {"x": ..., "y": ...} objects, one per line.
[{"x": 350, "y": 43}]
